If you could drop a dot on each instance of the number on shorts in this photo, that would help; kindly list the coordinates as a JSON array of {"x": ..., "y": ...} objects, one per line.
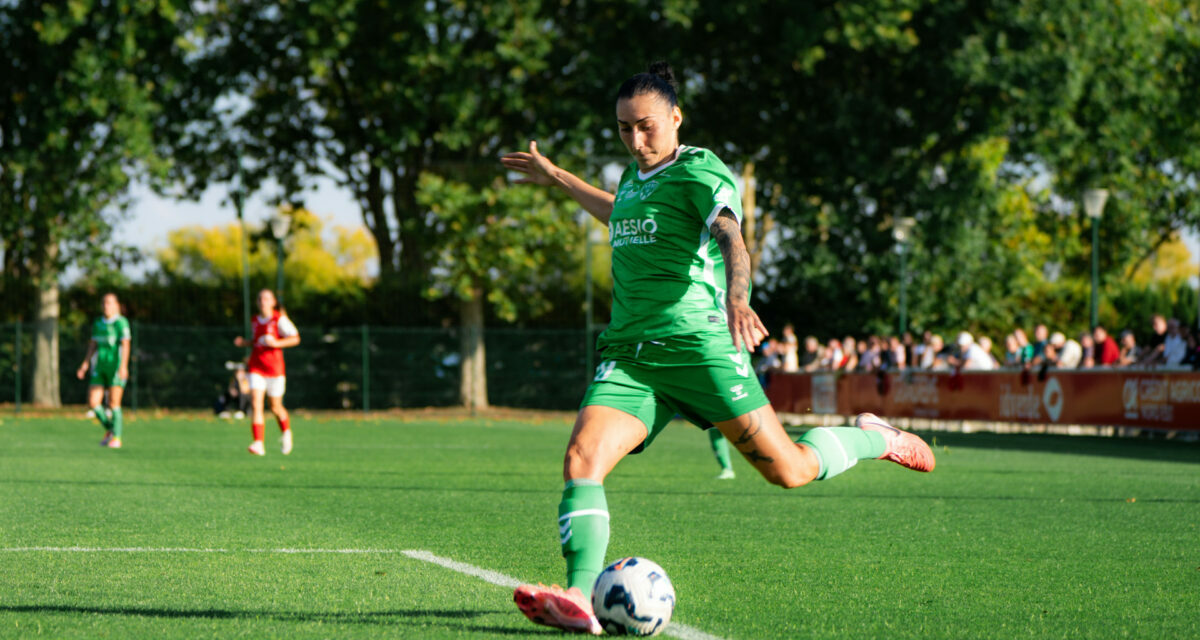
[{"x": 605, "y": 369}]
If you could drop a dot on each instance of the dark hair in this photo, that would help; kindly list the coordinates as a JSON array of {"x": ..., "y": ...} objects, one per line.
[{"x": 657, "y": 79}]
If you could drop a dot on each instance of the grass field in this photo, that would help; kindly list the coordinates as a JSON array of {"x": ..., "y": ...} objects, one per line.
[{"x": 1011, "y": 536}]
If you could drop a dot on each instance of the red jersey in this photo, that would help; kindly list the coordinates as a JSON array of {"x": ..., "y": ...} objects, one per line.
[
  {"x": 268, "y": 361},
  {"x": 1109, "y": 352}
]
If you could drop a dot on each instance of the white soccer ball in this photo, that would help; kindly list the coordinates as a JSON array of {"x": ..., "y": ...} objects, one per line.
[{"x": 633, "y": 596}]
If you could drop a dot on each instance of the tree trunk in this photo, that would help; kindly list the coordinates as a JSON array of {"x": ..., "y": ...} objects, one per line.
[
  {"x": 473, "y": 387},
  {"x": 750, "y": 232},
  {"x": 45, "y": 350},
  {"x": 376, "y": 217}
]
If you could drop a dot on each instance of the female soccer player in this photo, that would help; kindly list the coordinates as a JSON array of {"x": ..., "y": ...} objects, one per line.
[
  {"x": 108, "y": 358},
  {"x": 273, "y": 332},
  {"x": 681, "y": 290}
]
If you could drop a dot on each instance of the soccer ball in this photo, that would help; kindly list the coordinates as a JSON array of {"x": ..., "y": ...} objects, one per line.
[{"x": 633, "y": 596}]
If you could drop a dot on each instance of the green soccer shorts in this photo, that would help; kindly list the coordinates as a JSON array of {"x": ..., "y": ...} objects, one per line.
[
  {"x": 106, "y": 377},
  {"x": 699, "y": 377}
]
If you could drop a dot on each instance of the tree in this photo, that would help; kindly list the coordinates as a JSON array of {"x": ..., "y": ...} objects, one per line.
[
  {"x": 83, "y": 85},
  {"x": 499, "y": 244}
]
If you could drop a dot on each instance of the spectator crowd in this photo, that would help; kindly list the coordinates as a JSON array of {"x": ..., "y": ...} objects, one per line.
[{"x": 1170, "y": 345}]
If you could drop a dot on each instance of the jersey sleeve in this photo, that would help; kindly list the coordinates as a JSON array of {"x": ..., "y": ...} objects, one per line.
[
  {"x": 285, "y": 327},
  {"x": 123, "y": 332},
  {"x": 715, "y": 191}
]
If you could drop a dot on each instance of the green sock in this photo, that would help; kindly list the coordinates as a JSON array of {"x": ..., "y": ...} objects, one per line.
[
  {"x": 583, "y": 531},
  {"x": 117, "y": 422},
  {"x": 839, "y": 448},
  {"x": 720, "y": 447},
  {"x": 103, "y": 417}
]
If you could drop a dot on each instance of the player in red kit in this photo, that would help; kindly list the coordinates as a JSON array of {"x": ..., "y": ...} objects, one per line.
[{"x": 273, "y": 332}]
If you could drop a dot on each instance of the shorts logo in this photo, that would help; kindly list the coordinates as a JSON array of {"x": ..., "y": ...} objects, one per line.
[
  {"x": 742, "y": 370},
  {"x": 738, "y": 394},
  {"x": 604, "y": 370}
]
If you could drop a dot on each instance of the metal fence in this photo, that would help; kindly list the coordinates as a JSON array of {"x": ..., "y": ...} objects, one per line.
[{"x": 366, "y": 367}]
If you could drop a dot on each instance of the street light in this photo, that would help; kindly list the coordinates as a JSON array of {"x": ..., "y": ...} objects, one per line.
[
  {"x": 279, "y": 229},
  {"x": 1093, "y": 206},
  {"x": 901, "y": 232}
]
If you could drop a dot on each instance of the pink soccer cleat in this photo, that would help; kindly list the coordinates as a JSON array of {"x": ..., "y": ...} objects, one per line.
[
  {"x": 553, "y": 606},
  {"x": 115, "y": 443},
  {"x": 904, "y": 448}
]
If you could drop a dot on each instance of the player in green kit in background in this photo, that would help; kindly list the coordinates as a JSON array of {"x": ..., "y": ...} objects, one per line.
[
  {"x": 681, "y": 290},
  {"x": 108, "y": 359}
]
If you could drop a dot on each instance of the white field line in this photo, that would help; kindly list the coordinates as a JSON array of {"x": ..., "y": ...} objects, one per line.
[{"x": 675, "y": 630}]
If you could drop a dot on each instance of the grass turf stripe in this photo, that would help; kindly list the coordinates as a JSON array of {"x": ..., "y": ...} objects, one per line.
[{"x": 674, "y": 629}]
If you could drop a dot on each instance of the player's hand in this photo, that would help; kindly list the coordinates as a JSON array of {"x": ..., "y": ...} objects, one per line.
[
  {"x": 239, "y": 341},
  {"x": 82, "y": 371},
  {"x": 123, "y": 373},
  {"x": 268, "y": 341},
  {"x": 537, "y": 168},
  {"x": 744, "y": 325}
]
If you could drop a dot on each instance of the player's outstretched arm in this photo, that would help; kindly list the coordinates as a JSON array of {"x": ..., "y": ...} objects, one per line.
[
  {"x": 538, "y": 169},
  {"x": 87, "y": 360},
  {"x": 744, "y": 325}
]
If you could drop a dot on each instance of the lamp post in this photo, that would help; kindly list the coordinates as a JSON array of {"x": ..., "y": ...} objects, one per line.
[
  {"x": 238, "y": 201},
  {"x": 593, "y": 235},
  {"x": 1093, "y": 206},
  {"x": 901, "y": 232},
  {"x": 279, "y": 229}
]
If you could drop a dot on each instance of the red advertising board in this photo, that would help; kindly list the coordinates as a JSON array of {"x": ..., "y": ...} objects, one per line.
[{"x": 1113, "y": 397}]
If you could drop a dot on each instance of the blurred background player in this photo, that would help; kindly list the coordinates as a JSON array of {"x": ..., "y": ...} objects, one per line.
[
  {"x": 235, "y": 402},
  {"x": 680, "y": 340},
  {"x": 108, "y": 359},
  {"x": 272, "y": 332}
]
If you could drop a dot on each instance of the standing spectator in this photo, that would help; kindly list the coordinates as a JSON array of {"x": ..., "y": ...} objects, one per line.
[
  {"x": 1024, "y": 348},
  {"x": 1174, "y": 345},
  {"x": 1069, "y": 351},
  {"x": 790, "y": 349},
  {"x": 833, "y": 356},
  {"x": 1192, "y": 359},
  {"x": 850, "y": 354},
  {"x": 872, "y": 358},
  {"x": 933, "y": 354},
  {"x": 1107, "y": 351},
  {"x": 1088, "y": 348},
  {"x": 1012, "y": 351},
  {"x": 918, "y": 351},
  {"x": 1129, "y": 349},
  {"x": 810, "y": 358},
  {"x": 985, "y": 343},
  {"x": 898, "y": 359},
  {"x": 972, "y": 358},
  {"x": 1153, "y": 351},
  {"x": 1041, "y": 339},
  {"x": 909, "y": 349}
]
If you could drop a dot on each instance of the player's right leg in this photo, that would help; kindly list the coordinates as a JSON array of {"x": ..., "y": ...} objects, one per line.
[
  {"x": 601, "y": 438},
  {"x": 96, "y": 406},
  {"x": 258, "y": 394}
]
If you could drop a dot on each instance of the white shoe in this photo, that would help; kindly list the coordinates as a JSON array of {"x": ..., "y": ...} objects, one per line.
[
  {"x": 257, "y": 448},
  {"x": 285, "y": 442},
  {"x": 238, "y": 415},
  {"x": 225, "y": 414},
  {"x": 726, "y": 474}
]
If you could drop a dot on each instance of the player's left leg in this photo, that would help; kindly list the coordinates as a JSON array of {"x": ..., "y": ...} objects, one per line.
[
  {"x": 283, "y": 418},
  {"x": 115, "y": 394},
  {"x": 720, "y": 447}
]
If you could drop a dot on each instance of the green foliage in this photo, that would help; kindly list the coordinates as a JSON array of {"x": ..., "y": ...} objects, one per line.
[{"x": 501, "y": 242}]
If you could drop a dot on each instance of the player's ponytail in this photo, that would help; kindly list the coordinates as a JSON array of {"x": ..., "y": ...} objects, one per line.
[{"x": 658, "y": 79}]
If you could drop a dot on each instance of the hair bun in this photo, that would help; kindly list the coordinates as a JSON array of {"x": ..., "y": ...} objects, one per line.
[{"x": 661, "y": 69}]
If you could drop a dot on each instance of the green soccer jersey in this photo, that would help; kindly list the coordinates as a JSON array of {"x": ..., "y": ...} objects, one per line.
[
  {"x": 668, "y": 273},
  {"x": 108, "y": 335}
]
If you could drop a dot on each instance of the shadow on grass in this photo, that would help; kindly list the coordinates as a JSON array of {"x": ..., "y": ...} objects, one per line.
[{"x": 423, "y": 617}]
